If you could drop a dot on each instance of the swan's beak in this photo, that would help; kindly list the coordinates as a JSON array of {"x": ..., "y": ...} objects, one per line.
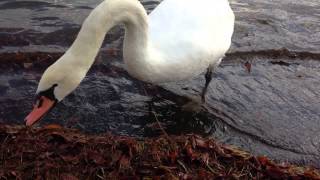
[{"x": 42, "y": 106}]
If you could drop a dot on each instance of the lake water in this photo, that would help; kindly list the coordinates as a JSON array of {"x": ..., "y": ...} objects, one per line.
[{"x": 274, "y": 110}]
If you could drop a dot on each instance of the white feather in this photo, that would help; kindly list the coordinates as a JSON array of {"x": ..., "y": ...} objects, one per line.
[{"x": 178, "y": 40}]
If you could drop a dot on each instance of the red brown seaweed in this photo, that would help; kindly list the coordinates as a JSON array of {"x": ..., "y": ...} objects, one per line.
[{"x": 53, "y": 152}]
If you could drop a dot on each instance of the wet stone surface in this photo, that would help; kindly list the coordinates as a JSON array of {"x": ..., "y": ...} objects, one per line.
[{"x": 274, "y": 110}]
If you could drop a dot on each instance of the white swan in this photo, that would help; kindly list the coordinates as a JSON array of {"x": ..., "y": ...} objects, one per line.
[{"x": 178, "y": 40}]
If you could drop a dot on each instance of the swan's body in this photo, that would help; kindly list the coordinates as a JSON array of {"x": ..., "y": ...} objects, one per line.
[
  {"x": 178, "y": 40},
  {"x": 189, "y": 35}
]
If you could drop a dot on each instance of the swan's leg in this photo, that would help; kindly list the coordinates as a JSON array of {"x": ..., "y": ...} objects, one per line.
[{"x": 208, "y": 77}]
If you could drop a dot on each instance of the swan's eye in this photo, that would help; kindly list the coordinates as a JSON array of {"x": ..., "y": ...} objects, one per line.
[{"x": 39, "y": 102}]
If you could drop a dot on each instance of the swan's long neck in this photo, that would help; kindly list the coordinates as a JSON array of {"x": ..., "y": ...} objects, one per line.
[{"x": 105, "y": 16}]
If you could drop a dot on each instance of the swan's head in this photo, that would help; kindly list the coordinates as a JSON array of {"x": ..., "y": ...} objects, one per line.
[{"x": 56, "y": 83}]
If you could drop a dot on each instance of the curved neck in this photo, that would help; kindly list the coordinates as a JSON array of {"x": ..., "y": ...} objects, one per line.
[{"x": 105, "y": 16}]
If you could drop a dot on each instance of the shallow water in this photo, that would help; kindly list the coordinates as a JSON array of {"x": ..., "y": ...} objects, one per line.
[{"x": 272, "y": 111}]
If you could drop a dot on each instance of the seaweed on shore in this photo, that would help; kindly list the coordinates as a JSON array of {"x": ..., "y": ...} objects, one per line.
[{"x": 53, "y": 152}]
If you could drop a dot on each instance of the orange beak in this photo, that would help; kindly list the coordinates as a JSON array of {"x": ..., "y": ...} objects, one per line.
[{"x": 40, "y": 109}]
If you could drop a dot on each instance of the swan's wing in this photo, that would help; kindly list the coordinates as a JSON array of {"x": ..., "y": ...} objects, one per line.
[{"x": 192, "y": 29}]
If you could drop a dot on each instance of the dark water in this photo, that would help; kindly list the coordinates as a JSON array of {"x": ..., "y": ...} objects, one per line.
[{"x": 274, "y": 110}]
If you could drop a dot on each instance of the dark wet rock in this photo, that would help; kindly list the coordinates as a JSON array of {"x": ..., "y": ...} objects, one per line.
[
  {"x": 274, "y": 110},
  {"x": 281, "y": 63},
  {"x": 264, "y": 25},
  {"x": 282, "y": 53},
  {"x": 84, "y": 7}
]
